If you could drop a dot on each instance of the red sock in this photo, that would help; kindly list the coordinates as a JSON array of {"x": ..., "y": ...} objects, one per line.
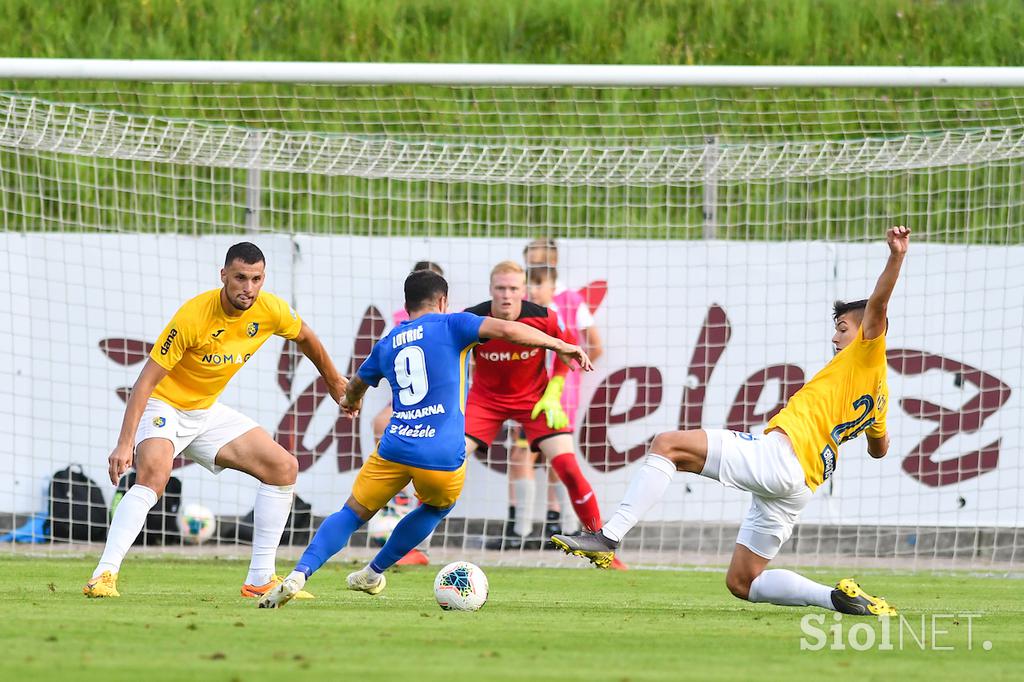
[{"x": 582, "y": 495}]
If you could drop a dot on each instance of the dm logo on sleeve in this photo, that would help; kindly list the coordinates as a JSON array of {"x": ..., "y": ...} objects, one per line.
[
  {"x": 252, "y": 329},
  {"x": 159, "y": 422}
]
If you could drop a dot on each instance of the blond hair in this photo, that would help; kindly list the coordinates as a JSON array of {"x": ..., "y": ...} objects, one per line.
[{"x": 506, "y": 266}]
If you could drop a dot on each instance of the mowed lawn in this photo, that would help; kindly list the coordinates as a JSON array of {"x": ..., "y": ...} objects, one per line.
[{"x": 183, "y": 620}]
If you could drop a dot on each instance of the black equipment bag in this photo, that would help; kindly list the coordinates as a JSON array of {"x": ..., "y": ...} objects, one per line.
[{"x": 78, "y": 511}]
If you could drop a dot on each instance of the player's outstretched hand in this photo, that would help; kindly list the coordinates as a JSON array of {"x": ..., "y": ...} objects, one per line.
[
  {"x": 351, "y": 409},
  {"x": 898, "y": 239},
  {"x": 575, "y": 357},
  {"x": 120, "y": 461},
  {"x": 337, "y": 389}
]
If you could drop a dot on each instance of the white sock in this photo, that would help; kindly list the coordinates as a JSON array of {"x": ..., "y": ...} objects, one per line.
[
  {"x": 129, "y": 517},
  {"x": 645, "y": 490},
  {"x": 368, "y": 570},
  {"x": 786, "y": 588},
  {"x": 270, "y": 513},
  {"x": 570, "y": 523},
  {"x": 526, "y": 492},
  {"x": 298, "y": 576}
]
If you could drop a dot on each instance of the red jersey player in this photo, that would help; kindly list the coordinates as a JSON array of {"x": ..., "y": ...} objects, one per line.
[{"x": 511, "y": 382}]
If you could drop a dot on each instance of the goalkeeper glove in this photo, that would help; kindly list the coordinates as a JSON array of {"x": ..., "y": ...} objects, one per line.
[{"x": 551, "y": 405}]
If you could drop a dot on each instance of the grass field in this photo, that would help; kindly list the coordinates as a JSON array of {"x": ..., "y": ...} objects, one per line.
[
  {"x": 182, "y": 620},
  {"x": 918, "y": 32}
]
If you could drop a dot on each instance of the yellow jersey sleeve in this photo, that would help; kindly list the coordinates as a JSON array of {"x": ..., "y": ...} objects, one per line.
[
  {"x": 176, "y": 338},
  {"x": 868, "y": 352},
  {"x": 289, "y": 323}
]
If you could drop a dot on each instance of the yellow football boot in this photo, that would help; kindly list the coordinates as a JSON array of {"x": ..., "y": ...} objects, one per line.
[
  {"x": 592, "y": 546},
  {"x": 257, "y": 591},
  {"x": 103, "y": 585},
  {"x": 849, "y": 598}
]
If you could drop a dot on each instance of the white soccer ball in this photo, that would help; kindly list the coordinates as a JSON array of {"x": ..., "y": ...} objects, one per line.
[
  {"x": 383, "y": 523},
  {"x": 197, "y": 523},
  {"x": 461, "y": 586},
  {"x": 380, "y": 527}
]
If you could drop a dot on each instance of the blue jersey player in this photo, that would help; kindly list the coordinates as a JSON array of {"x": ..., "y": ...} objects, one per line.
[{"x": 425, "y": 360}]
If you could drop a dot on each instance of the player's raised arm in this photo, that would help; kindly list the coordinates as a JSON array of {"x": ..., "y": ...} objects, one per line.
[
  {"x": 120, "y": 459},
  {"x": 898, "y": 239},
  {"x": 524, "y": 335},
  {"x": 310, "y": 345}
]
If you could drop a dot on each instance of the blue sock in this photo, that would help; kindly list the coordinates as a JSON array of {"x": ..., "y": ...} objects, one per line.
[
  {"x": 332, "y": 535},
  {"x": 410, "y": 531}
]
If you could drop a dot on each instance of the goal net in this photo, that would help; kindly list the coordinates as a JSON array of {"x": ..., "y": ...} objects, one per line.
[{"x": 707, "y": 230}]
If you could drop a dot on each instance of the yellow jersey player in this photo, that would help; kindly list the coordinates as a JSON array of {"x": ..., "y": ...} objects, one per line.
[
  {"x": 782, "y": 467},
  {"x": 173, "y": 410}
]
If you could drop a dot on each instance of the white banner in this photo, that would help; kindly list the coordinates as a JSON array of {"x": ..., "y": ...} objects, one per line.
[{"x": 709, "y": 334}]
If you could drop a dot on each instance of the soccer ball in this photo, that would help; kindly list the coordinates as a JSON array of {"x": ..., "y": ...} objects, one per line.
[
  {"x": 383, "y": 523},
  {"x": 197, "y": 523},
  {"x": 461, "y": 586},
  {"x": 380, "y": 527}
]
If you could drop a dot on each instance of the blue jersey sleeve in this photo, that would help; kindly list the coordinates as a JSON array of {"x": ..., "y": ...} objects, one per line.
[
  {"x": 370, "y": 370},
  {"x": 464, "y": 328}
]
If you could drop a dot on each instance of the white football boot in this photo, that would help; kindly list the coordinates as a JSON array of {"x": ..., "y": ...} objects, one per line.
[{"x": 367, "y": 581}]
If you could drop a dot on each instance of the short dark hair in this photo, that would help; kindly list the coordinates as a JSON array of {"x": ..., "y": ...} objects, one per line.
[
  {"x": 538, "y": 274},
  {"x": 428, "y": 265},
  {"x": 247, "y": 252},
  {"x": 423, "y": 287},
  {"x": 840, "y": 308}
]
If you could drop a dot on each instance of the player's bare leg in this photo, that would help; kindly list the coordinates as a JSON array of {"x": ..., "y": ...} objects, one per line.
[
  {"x": 258, "y": 455},
  {"x": 153, "y": 459}
]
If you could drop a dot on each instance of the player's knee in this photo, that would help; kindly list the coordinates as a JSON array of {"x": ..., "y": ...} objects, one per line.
[
  {"x": 364, "y": 513},
  {"x": 155, "y": 481},
  {"x": 289, "y": 470},
  {"x": 283, "y": 470},
  {"x": 738, "y": 584},
  {"x": 669, "y": 445},
  {"x": 662, "y": 444}
]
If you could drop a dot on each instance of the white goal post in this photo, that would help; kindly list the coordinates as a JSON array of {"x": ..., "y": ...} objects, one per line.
[{"x": 709, "y": 216}]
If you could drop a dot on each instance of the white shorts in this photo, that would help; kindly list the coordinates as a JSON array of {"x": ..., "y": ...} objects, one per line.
[
  {"x": 767, "y": 467},
  {"x": 196, "y": 434}
]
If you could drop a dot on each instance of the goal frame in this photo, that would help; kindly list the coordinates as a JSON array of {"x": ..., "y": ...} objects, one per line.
[
  {"x": 466, "y": 74},
  {"x": 509, "y": 75}
]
